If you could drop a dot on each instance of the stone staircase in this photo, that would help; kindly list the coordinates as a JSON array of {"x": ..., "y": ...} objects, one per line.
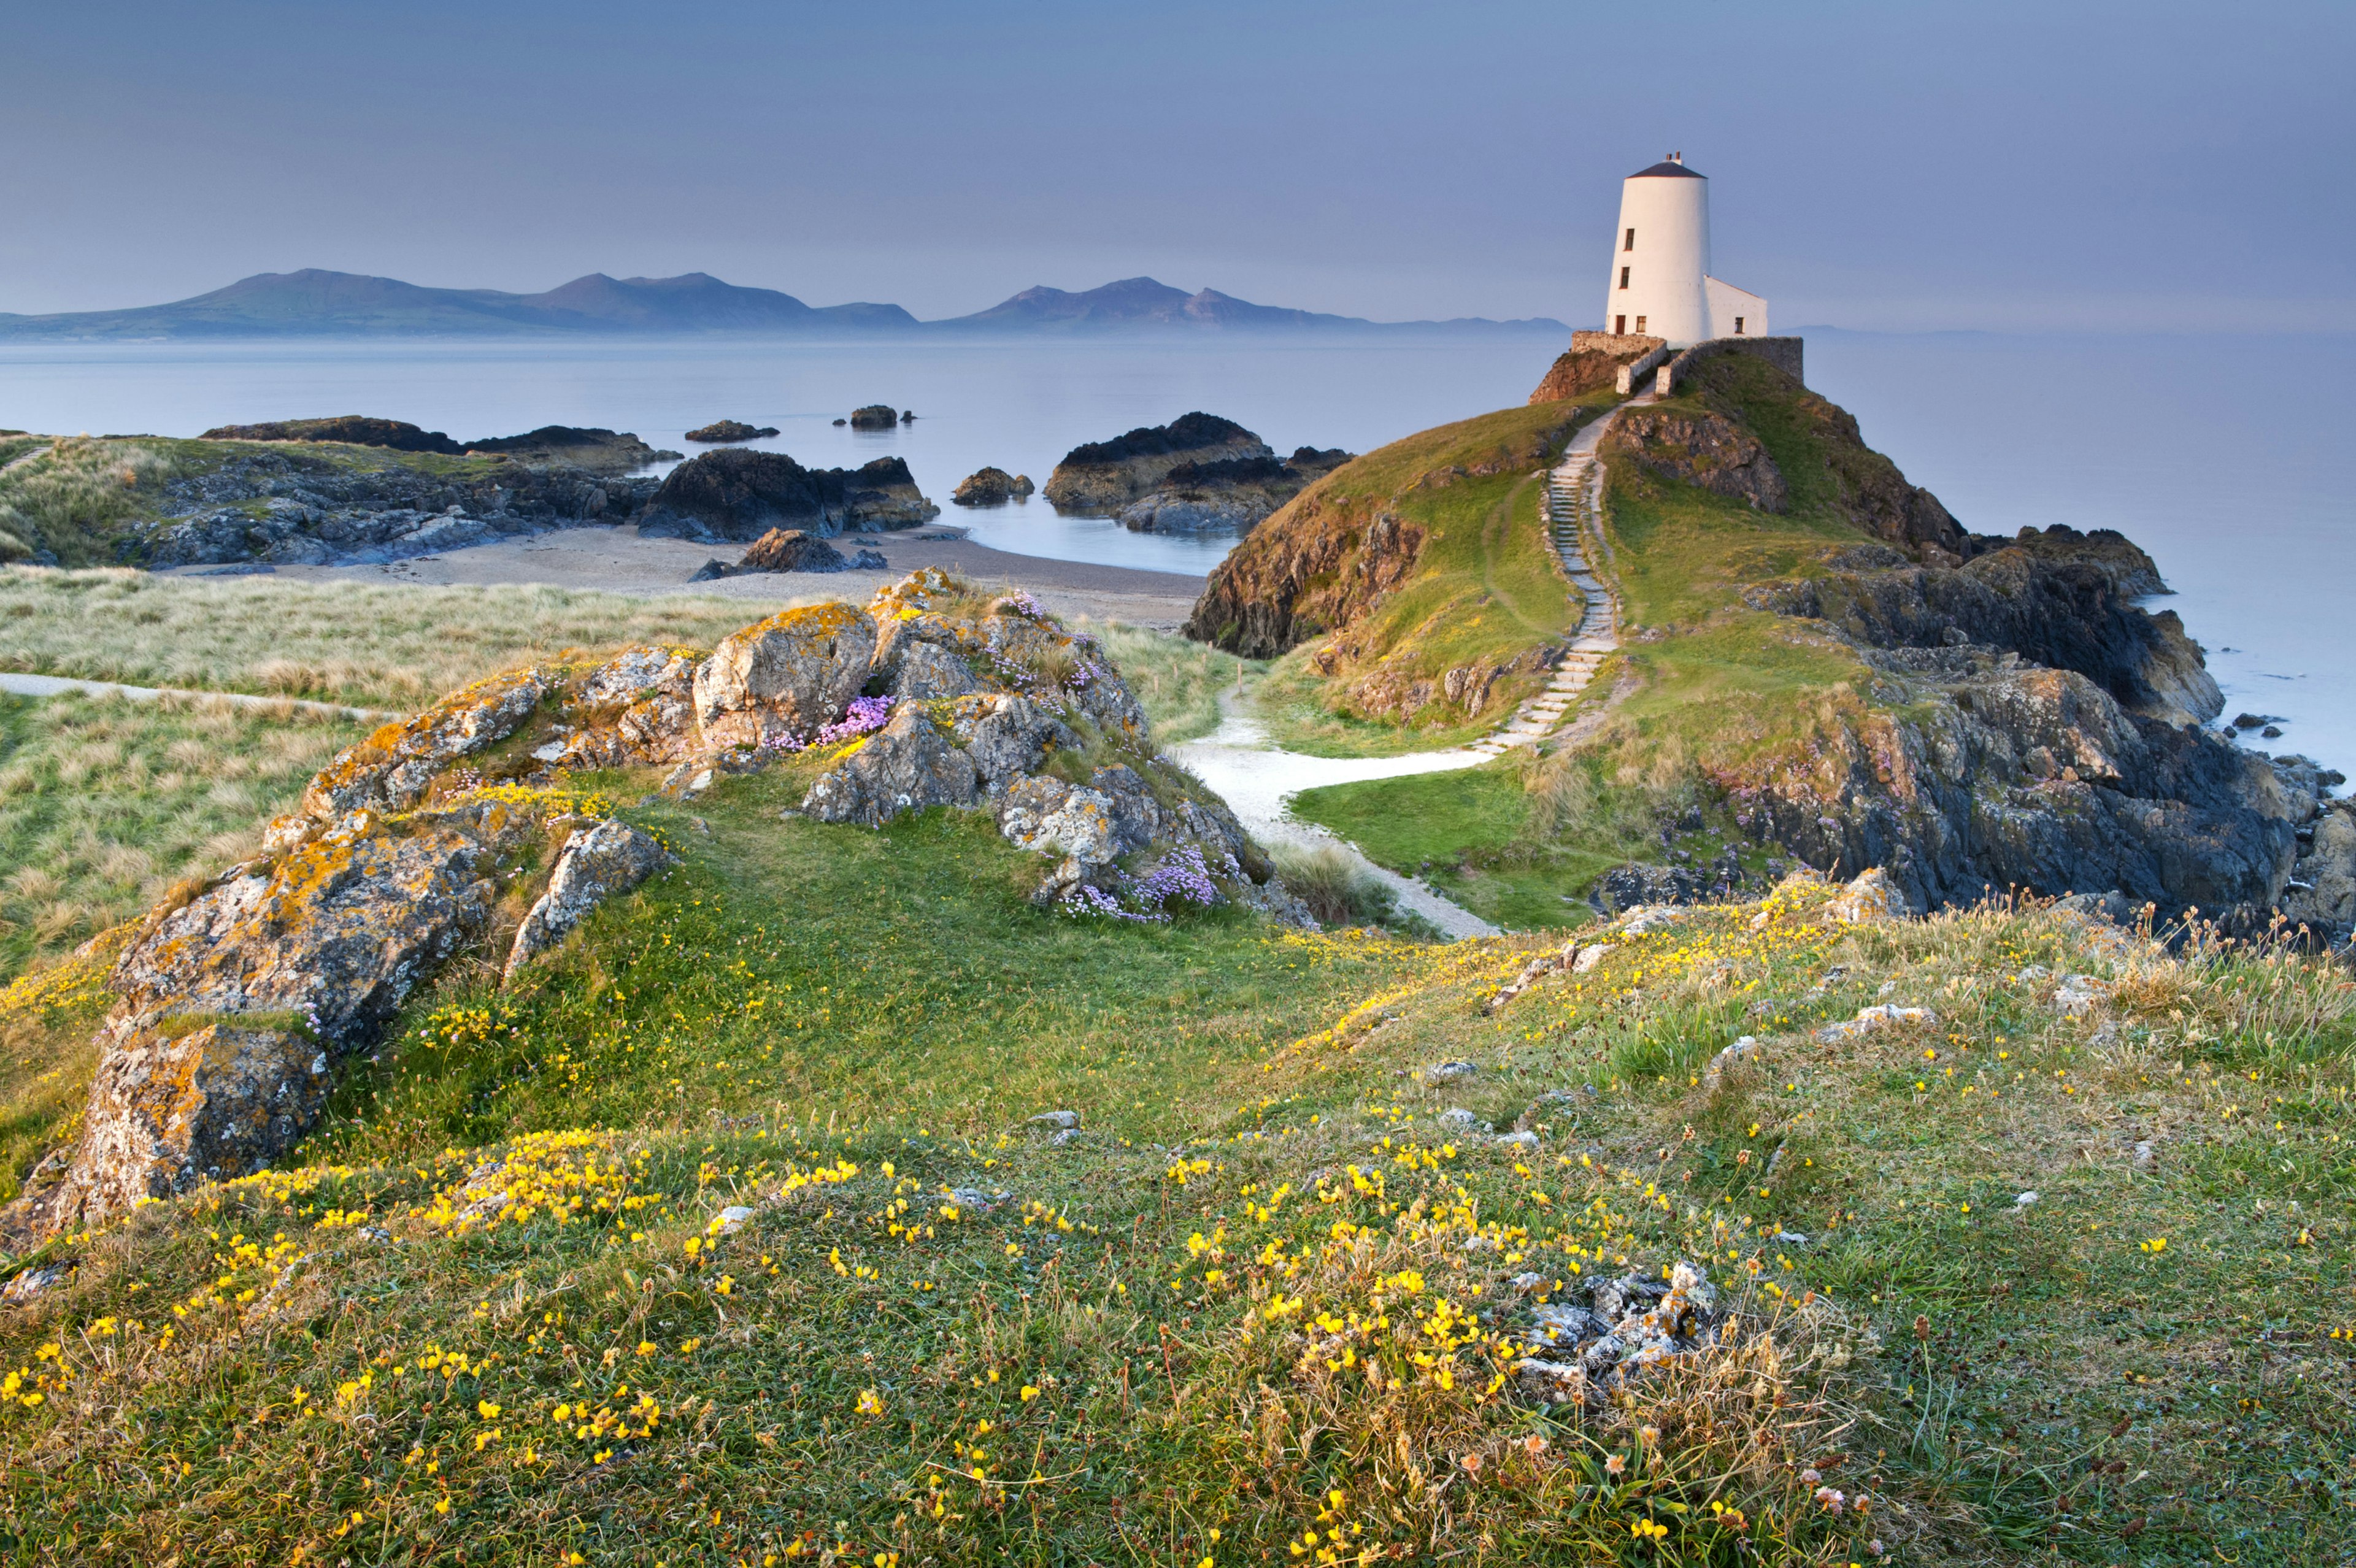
[{"x": 1574, "y": 494}]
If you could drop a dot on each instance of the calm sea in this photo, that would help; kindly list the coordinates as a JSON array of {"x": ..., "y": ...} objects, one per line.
[{"x": 2225, "y": 457}]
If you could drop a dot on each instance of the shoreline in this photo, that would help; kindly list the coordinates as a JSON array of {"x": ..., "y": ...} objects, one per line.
[{"x": 616, "y": 559}]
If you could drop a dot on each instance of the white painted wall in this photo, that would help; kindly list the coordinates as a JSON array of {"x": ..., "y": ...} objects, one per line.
[
  {"x": 1729, "y": 304},
  {"x": 1664, "y": 271}
]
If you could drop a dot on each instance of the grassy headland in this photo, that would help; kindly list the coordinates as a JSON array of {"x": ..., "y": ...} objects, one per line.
[{"x": 1706, "y": 689}]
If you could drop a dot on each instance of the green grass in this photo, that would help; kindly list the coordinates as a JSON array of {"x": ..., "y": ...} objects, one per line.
[
  {"x": 895, "y": 1005},
  {"x": 1485, "y": 589},
  {"x": 104, "y": 802},
  {"x": 822, "y": 1376},
  {"x": 1179, "y": 682}
]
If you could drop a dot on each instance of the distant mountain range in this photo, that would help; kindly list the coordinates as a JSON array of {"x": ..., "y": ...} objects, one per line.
[{"x": 316, "y": 304}]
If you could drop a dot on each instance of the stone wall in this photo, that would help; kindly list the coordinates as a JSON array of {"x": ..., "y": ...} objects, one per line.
[
  {"x": 1620, "y": 345},
  {"x": 1783, "y": 353}
]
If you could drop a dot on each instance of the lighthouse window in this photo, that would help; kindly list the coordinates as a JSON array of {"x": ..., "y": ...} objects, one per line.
[
  {"x": 1620, "y": 325},
  {"x": 1738, "y": 326},
  {"x": 1624, "y": 277},
  {"x": 1640, "y": 326},
  {"x": 1630, "y": 244}
]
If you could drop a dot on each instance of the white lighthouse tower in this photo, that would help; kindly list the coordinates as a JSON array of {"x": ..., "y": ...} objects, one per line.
[{"x": 1660, "y": 284}]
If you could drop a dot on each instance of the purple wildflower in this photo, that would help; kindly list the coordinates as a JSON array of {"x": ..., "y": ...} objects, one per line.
[{"x": 865, "y": 716}]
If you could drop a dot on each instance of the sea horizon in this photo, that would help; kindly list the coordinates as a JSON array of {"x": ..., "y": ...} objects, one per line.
[{"x": 2167, "y": 438}]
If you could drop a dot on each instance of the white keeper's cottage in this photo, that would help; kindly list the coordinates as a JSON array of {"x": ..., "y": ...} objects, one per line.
[{"x": 1660, "y": 284}]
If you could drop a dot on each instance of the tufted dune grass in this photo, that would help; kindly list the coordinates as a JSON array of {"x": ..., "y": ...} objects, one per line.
[{"x": 105, "y": 801}]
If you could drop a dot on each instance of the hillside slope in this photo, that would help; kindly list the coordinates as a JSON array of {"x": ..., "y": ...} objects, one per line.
[{"x": 1822, "y": 666}]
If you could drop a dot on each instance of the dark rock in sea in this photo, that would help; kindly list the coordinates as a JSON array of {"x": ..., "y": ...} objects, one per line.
[
  {"x": 840, "y": 422},
  {"x": 354, "y": 430},
  {"x": 907, "y": 416},
  {"x": 1105, "y": 475},
  {"x": 790, "y": 549},
  {"x": 2271, "y": 732},
  {"x": 739, "y": 494},
  {"x": 1233, "y": 495},
  {"x": 731, "y": 429},
  {"x": 2256, "y": 720},
  {"x": 598, "y": 450},
  {"x": 991, "y": 487},
  {"x": 874, "y": 416}
]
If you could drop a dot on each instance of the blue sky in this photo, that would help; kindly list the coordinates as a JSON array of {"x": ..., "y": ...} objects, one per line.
[{"x": 1877, "y": 165}]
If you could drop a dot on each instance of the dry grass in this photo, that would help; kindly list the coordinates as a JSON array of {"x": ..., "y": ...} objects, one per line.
[
  {"x": 103, "y": 803},
  {"x": 379, "y": 647},
  {"x": 70, "y": 499}
]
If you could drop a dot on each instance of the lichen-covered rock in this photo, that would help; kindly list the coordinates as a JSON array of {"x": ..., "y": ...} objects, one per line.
[
  {"x": 910, "y": 764},
  {"x": 792, "y": 673},
  {"x": 393, "y": 768},
  {"x": 927, "y": 672},
  {"x": 1870, "y": 896},
  {"x": 283, "y": 968},
  {"x": 170, "y": 1111},
  {"x": 596, "y": 864},
  {"x": 638, "y": 706},
  {"x": 1006, "y": 735},
  {"x": 1080, "y": 823}
]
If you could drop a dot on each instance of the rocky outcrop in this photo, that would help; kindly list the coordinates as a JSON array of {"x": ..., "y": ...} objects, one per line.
[
  {"x": 790, "y": 549},
  {"x": 786, "y": 676},
  {"x": 293, "y": 507},
  {"x": 1105, "y": 475},
  {"x": 230, "y": 1008},
  {"x": 2058, "y": 597},
  {"x": 993, "y": 487},
  {"x": 874, "y": 416},
  {"x": 1975, "y": 772},
  {"x": 593, "y": 448},
  {"x": 736, "y": 493},
  {"x": 234, "y": 1005},
  {"x": 729, "y": 430},
  {"x": 1317, "y": 566},
  {"x": 603, "y": 452},
  {"x": 1230, "y": 496},
  {"x": 597, "y": 862},
  {"x": 1699, "y": 446},
  {"x": 1821, "y": 456},
  {"x": 352, "y": 430},
  {"x": 1587, "y": 367}
]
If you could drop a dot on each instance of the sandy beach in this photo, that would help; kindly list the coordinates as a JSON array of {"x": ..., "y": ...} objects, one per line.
[{"x": 616, "y": 560}]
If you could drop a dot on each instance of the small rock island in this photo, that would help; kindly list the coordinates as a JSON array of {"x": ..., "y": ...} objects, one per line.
[
  {"x": 993, "y": 487},
  {"x": 720, "y": 430}
]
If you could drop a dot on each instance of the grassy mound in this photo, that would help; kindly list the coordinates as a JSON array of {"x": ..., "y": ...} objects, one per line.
[
  {"x": 728, "y": 1236},
  {"x": 1423, "y": 558},
  {"x": 1706, "y": 690}
]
